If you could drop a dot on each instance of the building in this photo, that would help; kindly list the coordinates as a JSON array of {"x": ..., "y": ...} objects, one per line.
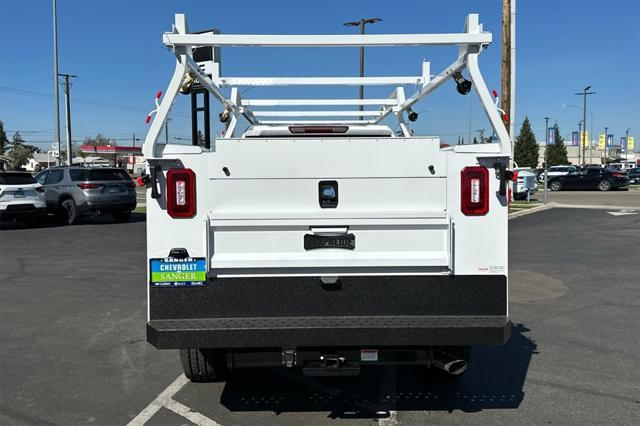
[
  {"x": 593, "y": 155},
  {"x": 39, "y": 161}
]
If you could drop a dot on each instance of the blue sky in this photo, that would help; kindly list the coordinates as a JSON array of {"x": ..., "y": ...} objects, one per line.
[{"x": 115, "y": 49}]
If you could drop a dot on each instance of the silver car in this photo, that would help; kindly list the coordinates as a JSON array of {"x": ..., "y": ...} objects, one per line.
[{"x": 72, "y": 192}]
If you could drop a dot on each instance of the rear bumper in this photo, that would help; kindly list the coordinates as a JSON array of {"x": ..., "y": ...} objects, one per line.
[
  {"x": 361, "y": 311},
  {"x": 22, "y": 210},
  {"x": 125, "y": 204},
  {"x": 329, "y": 332}
]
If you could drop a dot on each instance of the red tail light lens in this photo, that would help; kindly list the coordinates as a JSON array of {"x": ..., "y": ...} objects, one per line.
[
  {"x": 181, "y": 193},
  {"x": 89, "y": 185},
  {"x": 474, "y": 191}
]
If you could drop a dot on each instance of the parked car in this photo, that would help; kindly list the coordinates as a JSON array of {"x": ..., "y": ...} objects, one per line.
[
  {"x": 557, "y": 171},
  {"x": 590, "y": 179},
  {"x": 634, "y": 175},
  {"x": 21, "y": 198},
  {"x": 72, "y": 192}
]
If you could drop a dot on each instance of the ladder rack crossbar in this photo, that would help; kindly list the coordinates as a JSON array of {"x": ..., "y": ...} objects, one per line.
[
  {"x": 316, "y": 81},
  {"x": 324, "y": 40},
  {"x": 316, "y": 102}
]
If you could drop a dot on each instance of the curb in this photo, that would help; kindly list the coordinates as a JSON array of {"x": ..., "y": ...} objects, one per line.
[{"x": 589, "y": 206}]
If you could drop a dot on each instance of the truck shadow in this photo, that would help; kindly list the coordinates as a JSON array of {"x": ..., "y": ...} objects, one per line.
[
  {"x": 52, "y": 222},
  {"x": 494, "y": 381}
]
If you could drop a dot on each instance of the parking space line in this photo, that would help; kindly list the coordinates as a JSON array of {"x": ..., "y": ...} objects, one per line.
[
  {"x": 188, "y": 413},
  {"x": 165, "y": 399}
]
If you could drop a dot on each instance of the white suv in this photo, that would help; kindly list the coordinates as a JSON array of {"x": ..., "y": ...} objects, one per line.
[{"x": 21, "y": 197}]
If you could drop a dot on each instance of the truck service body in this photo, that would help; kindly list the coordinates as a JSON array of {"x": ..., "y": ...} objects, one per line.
[{"x": 320, "y": 243}]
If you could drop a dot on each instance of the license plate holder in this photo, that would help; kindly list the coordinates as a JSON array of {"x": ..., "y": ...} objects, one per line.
[
  {"x": 338, "y": 241},
  {"x": 171, "y": 272},
  {"x": 18, "y": 194}
]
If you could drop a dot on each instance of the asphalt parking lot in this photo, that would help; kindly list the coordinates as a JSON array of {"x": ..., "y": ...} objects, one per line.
[
  {"x": 621, "y": 198},
  {"x": 72, "y": 306}
]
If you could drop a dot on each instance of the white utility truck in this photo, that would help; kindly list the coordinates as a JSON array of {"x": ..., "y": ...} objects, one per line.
[{"x": 322, "y": 239}]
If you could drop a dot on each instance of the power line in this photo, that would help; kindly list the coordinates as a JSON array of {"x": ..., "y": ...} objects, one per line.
[{"x": 101, "y": 104}]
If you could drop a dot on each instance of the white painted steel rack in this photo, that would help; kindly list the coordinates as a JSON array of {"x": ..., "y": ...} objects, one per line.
[{"x": 471, "y": 43}]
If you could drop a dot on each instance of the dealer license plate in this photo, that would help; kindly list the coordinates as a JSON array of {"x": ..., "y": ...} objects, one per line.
[{"x": 170, "y": 272}]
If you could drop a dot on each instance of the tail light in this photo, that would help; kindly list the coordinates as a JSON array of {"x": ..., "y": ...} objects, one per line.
[
  {"x": 89, "y": 185},
  {"x": 40, "y": 189},
  {"x": 619, "y": 174},
  {"x": 181, "y": 193},
  {"x": 474, "y": 191}
]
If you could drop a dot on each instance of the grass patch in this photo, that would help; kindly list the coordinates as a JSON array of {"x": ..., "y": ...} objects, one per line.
[{"x": 141, "y": 209}]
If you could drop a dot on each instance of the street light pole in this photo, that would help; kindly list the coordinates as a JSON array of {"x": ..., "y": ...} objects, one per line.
[
  {"x": 361, "y": 23},
  {"x": 546, "y": 149},
  {"x": 579, "y": 138},
  {"x": 56, "y": 95},
  {"x": 584, "y": 94}
]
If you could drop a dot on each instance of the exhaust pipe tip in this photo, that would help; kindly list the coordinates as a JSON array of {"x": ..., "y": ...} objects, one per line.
[
  {"x": 455, "y": 367},
  {"x": 448, "y": 364}
]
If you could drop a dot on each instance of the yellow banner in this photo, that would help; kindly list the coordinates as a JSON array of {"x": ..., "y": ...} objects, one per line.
[
  {"x": 585, "y": 139},
  {"x": 602, "y": 140},
  {"x": 630, "y": 143}
]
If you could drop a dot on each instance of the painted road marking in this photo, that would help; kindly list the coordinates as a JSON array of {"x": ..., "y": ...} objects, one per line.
[
  {"x": 624, "y": 212},
  {"x": 165, "y": 399}
]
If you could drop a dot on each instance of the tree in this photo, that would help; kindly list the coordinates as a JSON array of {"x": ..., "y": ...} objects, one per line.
[
  {"x": 200, "y": 137},
  {"x": 4, "y": 142},
  {"x": 526, "y": 147},
  {"x": 19, "y": 152},
  {"x": 99, "y": 140},
  {"x": 557, "y": 153}
]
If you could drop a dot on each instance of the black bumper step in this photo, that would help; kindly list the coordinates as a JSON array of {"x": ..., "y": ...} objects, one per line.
[{"x": 328, "y": 331}]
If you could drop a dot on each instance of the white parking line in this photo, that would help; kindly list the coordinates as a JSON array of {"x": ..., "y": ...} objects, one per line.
[
  {"x": 165, "y": 399},
  {"x": 189, "y": 414}
]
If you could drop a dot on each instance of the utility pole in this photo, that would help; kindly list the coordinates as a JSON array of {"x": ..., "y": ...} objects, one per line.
[
  {"x": 361, "y": 23},
  {"x": 606, "y": 140},
  {"x": 56, "y": 95},
  {"x": 546, "y": 149},
  {"x": 583, "y": 142},
  {"x": 626, "y": 144},
  {"x": 508, "y": 87},
  {"x": 67, "y": 99}
]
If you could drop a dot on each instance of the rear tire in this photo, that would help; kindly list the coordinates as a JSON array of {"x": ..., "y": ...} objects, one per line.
[
  {"x": 555, "y": 186},
  {"x": 604, "y": 185},
  {"x": 122, "y": 216},
  {"x": 203, "y": 365},
  {"x": 68, "y": 212}
]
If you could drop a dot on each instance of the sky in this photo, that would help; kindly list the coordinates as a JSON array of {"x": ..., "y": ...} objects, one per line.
[{"x": 115, "y": 48}]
